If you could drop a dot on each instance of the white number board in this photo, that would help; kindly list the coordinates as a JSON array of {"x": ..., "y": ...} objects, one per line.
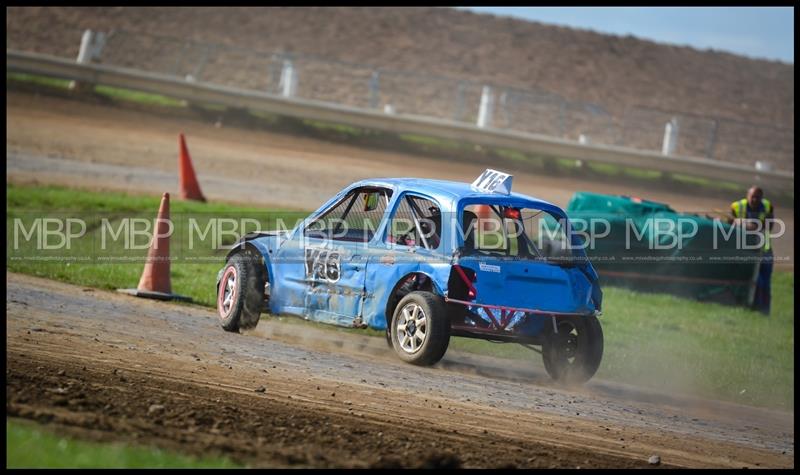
[{"x": 493, "y": 181}]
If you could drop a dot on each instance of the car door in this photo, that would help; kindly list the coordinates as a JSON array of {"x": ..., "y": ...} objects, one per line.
[
  {"x": 289, "y": 288},
  {"x": 411, "y": 242},
  {"x": 335, "y": 256}
]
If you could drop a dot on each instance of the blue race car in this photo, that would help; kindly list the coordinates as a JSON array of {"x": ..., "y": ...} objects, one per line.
[{"x": 425, "y": 260}]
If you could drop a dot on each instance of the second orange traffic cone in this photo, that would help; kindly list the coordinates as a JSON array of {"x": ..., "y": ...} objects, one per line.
[
  {"x": 155, "y": 282},
  {"x": 190, "y": 188}
]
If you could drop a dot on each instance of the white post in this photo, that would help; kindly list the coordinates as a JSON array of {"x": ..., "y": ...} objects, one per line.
[
  {"x": 763, "y": 166},
  {"x": 288, "y": 79},
  {"x": 92, "y": 44},
  {"x": 486, "y": 108},
  {"x": 670, "y": 137},
  {"x": 84, "y": 54}
]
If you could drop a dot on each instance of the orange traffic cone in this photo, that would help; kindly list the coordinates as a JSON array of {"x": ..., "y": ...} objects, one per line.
[
  {"x": 155, "y": 281},
  {"x": 190, "y": 188}
]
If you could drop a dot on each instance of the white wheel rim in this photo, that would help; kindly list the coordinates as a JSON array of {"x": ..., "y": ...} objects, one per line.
[
  {"x": 411, "y": 328},
  {"x": 229, "y": 291}
]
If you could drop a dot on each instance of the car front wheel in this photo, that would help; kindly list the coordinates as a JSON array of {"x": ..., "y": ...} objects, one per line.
[{"x": 240, "y": 292}]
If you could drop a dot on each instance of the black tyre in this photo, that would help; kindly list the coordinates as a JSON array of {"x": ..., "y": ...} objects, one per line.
[
  {"x": 573, "y": 354},
  {"x": 240, "y": 293},
  {"x": 420, "y": 328},
  {"x": 389, "y": 335}
]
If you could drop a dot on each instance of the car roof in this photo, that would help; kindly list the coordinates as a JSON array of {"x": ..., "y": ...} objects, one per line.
[{"x": 445, "y": 190}]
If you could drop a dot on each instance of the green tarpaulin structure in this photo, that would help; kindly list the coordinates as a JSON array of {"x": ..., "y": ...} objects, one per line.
[{"x": 649, "y": 246}]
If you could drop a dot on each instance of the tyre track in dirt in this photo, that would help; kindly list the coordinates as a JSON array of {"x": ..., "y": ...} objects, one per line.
[{"x": 176, "y": 356}]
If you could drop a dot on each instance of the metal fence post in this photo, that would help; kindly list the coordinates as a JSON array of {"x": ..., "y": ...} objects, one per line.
[
  {"x": 273, "y": 70},
  {"x": 288, "y": 84},
  {"x": 91, "y": 45},
  {"x": 374, "y": 88},
  {"x": 670, "y": 137},
  {"x": 202, "y": 65},
  {"x": 85, "y": 51},
  {"x": 486, "y": 107}
]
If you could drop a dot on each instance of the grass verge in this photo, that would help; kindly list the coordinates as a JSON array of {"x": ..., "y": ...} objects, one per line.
[
  {"x": 119, "y": 94},
  {"x": 193, "y": 275},
  {"x": 29, "y": 445},
  {"x": 656, "y": 341}
]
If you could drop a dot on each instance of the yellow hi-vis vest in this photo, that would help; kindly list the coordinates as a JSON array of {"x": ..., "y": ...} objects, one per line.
[{"x": 739, "y": 209}]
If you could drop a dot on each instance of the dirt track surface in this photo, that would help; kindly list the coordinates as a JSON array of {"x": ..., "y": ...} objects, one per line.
[
  {"x": 113, "y": 367},
  {"x": 59, "y": 141}
]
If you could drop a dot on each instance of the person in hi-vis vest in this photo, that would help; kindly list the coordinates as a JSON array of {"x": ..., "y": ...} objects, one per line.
[{"x": 754, "y": 213}]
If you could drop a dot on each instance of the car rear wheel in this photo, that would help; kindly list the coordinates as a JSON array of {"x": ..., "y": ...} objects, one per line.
[
  {"x": 420, "y": 328},
  {"x": 573, "y": 354},
  {"x": 240, "y": 293}
]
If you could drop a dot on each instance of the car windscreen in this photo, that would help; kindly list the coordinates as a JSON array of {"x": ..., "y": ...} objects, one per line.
[{"x": 354, "y": 218}]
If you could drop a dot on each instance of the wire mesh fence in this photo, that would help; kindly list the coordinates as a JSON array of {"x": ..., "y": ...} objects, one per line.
[{"x": 404, "y": 92}]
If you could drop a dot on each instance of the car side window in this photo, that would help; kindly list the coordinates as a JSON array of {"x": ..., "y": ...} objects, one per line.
[
  {"x": 355, "y": 218},
  {"x": 416, "y": 222},
  {"x": 495, "y": 230}
]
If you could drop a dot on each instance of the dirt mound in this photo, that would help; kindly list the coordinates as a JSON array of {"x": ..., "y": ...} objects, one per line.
[
  {"x": 577, "y": 64},
  {"x": 548, "y": 80},
  {"x": 580, "y": 65}
]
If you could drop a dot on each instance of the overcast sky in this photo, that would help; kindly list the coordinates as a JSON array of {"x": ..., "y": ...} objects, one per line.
[{"x": 758, "y": 32}]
